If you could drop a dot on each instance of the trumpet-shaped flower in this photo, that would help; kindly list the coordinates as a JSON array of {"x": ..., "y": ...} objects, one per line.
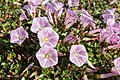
[
  {"x": 117, "y": 64},
  {"x": 30, "y": 9},
  {"x": 104, "y": 35},
  {"x": 116, "y": 27},
  {"x": 78, "y": 55},
  {"x": 23, "y": 16},
  {"x": 109, "y": 17},
  {"x": 39, "y": 23},
  {"x": 18, "y": 35},
  {"x": 71, "y": 18},
  {"x": 72, "y": 3},
  {"x": 109, "y": 36},
  {"x": 70, "y": 38},
  {"x": 86, "y": 19},
  {"x": 114, "y": 39},
  {"x": 34, "y": 2},
  {"x": 48, "y": 37},
  {"x": 47, "y": 57},
  {"x": 55, "y": 8}
]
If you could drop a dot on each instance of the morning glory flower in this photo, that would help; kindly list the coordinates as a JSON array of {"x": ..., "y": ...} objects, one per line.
[
  {"x": 70, "y": 38},
  {"x": 78, "y": 55},
  {"x": 109, "y": 17},
  {"x": 55, "y": 8},
  {"x": 34, "y": 2},
  {"x": 104, "y": 35},
  {"x": 18, "y": 35},
  {"x": 86, "y": 19},
  {"x": 30, "y": 9},
  {"x": 71, "y": 18},
  {"x": 48, "y": 37},
  {"x": 39, "y": 23},
  {"x": 110, "y": 11},
  {"x": 72, "y": 3},
  {"x": 116, "y": 27},
  {"x": 47, "y": 57},
  {"x": 115, "y": 70},
  {"x": 109, "y": 36},
  {"x": 114, "y": 39},
  {"x": 23, "y": 16},
  {"x": 117, "y": 64}
]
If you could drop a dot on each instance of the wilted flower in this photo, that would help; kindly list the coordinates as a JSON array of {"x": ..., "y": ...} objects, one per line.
[
  {"x": 113, "y": 1},
  {"x": 39, "y": 23},
  {"x": 30, "y": 9},
  {"x": 48, "y": 37},
  {"x": 109, "y": 17},
  {"x": 55, "y": 8},
  {"x": 95, "y": 31},
  {"x": 86, "y": 19},
  {"x": 78, "y": 55},
  {"x": 18, "y": 35},
  {"x": 115, "y": 70},
  {"x": 107, "y": 75},
  {"x": 90, "y": 64},
  {"x": 47, "y": 57},
  {"x": 72, "y": 3},
  {"x": 113, "y": 46},
  {"x": 23, "y": 16},
  {"x": 71, "y": 18},
  {"x": 70, "y": 38}
]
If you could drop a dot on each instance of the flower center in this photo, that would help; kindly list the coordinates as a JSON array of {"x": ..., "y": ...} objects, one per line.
[
  {"x": 21, "y": 37},
  {"x": 47, "y": 56},
  {"x": 40, "y": 27},
  {"x": 75, "y": 54},
  {"x": 45, "y": 39}
]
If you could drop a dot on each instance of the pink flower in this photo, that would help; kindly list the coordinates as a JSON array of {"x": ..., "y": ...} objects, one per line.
[
  {"x": 34, "y": 2},
  {"x": 104, "y": 34},
  {"x": 109, "y": 17},
  {"x": 114, "y": 39},
  {"x": 47, "y": 57},
  {"x": 70, "y": 38},
  {"x": 78, "y": 55},
  {"x": 109, "y": 36},
  {"x": 116, "y": 27},
  {"x": 107, "y": 75},
  {"x": 30, "y": 9},
  {"x": 117, "y": 64},
  {"x": 48, "y": 37},
  {"x": 72, "y": 3},
  {"x": 95, "y": 31},
  {"x": 55, "y": 8},
  {"x": 39, "y": 23},
  {"x": 18, "y": 35},
  {"x": 71, "y": 18},
  {"x": 86, "y": 19},
  {"x": 23, "y": 16}
]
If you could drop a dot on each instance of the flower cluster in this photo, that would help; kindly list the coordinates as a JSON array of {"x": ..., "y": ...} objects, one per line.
[{"x": 48, "y": 38}]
